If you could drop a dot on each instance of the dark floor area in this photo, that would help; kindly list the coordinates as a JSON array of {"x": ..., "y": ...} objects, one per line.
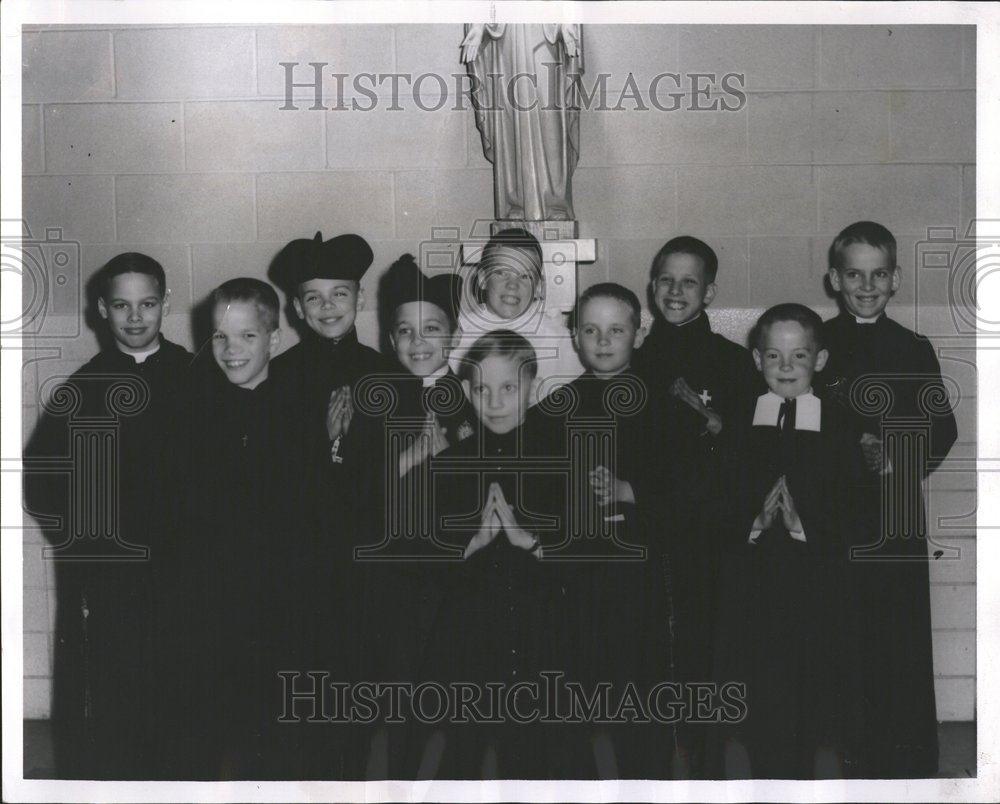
[{"x": 957, "y": 741}]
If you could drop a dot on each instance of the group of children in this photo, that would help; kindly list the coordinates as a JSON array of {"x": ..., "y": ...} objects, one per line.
[{"x": 496, "y": 498}]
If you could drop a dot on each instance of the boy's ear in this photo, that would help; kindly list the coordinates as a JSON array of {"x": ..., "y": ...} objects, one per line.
[
  {"x": 360, "y": 303},
  {"x": 834, "y": 276},
  {"x": 821, "y": 357},
  {"x": 467, "y": 388},
  {"x": 897, "y": 279},
  {"x": 102, "y": 308},
  {"x": 298, "y": 306},
  {"x": 166, "y": 302},
  {"x": 275, "y": 342},
  {"x": 710, "y": 290},
  {"x": 640, "y": 336},
  {"x": 756, "y": 360}
]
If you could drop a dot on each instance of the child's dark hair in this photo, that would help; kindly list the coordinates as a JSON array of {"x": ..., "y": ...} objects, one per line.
[
  {"x": 132, "y": 262},
  {"x": 252, "y": 291},
  {"x": 500, "y": 343},
  {"x": 685, "y": 244},
  {"x": 609, "y": 290},
  {"x": 508, "y": 238},
  {"x": 789, "y": 311},
  {"x": 867, "y": 232}
]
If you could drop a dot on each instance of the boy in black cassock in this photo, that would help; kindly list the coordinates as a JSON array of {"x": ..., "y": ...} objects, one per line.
[
  {"x": 786, "y": 616},
  {"x": 324, "y": 280},
  {"x": 314, "y": 379},
  {"x": 505, "y": 615},
  {"x": 427, "y": 410},
  {"x": 624, "y": 602},
  {"x": 243, "y": 469},
  {"x": 868, "y": 349},
  {"x": 713, "y": 377},
  {"x": 106, "y": 650}
]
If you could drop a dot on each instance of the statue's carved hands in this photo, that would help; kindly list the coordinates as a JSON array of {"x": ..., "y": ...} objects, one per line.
[
  {"x": 571, "y": 39},
  {"x": 470, "y": 45}
]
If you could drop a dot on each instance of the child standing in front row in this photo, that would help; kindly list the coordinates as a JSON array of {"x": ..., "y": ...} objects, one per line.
[
  {"x": 503, "y": 617},
  {"x": 868, "y": 349},
  {"x": 786, "y": 615}
]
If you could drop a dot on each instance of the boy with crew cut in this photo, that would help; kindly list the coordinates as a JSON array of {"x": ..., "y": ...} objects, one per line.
[
  {"x": 870, "y": 350},
  {"x": 623, "y": 594},
  {"x": 242, "y": 461},
  {"x": 111, "y": 595},
  {"x": 712, "y": 377},
  {"x": 787, "y": 614}
]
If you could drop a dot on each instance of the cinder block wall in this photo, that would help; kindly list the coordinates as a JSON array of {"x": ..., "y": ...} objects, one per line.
[{"x": 170, "y": 140}]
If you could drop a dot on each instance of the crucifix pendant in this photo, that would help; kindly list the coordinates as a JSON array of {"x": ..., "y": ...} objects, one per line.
[
  {"x": 705, "y": 397},
  {"x": 245, "y": 438}
]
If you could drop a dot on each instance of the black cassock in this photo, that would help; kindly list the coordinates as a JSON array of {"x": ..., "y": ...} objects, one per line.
[
  {"x": 892, "y": 578},
  {"x": 108, "y": 663},
  {"x": 623, "y": 599},
  {"x": 723, "y": 374},
  {"x": 504, "y": 615},
  {"x": 396, "y": 593},
  {"x": 315, "y": 367},
  {"x": 241, "y": 563},
  {"x": 330, "y": 582},
  {"x": 787, "y": 617}
]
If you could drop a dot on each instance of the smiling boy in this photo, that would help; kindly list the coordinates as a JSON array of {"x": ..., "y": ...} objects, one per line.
[
  {"x": 106, "y": 643},
  {"x": 509, "y": 293},
  {"x": 323, "y": 279},
  {"x": 866, "y": 345},
  {"x": 787, "y": 618}
]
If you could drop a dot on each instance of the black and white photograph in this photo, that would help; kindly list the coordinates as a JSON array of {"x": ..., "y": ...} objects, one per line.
[{"x": 489, "y": 401}]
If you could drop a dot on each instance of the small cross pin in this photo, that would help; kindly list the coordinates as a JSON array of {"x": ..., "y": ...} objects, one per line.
[
  {"x": 245, "y": 440},
  {"x": 705, "y": 397}
]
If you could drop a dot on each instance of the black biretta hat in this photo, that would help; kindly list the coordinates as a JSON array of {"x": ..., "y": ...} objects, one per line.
[
  {"x": 405, "y": 282},
  {"x": 346, "y": 256}
]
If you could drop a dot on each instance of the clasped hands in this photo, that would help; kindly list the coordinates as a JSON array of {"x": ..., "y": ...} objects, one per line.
[
  {"x": 497, "y": 515},
  {"x": 339, "y": 412},
  {"x": 684, "y": 392},
  {"x": 431, "y": 441},
  {"x": 871, "y": 448},
  {"x": 608, "y": 489},
  {"x": 779, "y": 499}
]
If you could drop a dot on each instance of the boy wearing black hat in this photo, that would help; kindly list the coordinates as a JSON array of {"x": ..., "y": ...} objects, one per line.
[
  {"x": 422, "y": 323},
  {"x": 324, "y": 280},
  {"x": 385, "y": 456}
]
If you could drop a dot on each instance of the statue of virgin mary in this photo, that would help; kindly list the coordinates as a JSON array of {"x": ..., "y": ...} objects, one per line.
[{"x": 526, "y": 98}]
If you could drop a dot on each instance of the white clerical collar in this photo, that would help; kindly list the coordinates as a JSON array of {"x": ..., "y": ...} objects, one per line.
[
  {"x": 861, "y": 320},
  {"x": 807, "y": 411},
  {"x": 430, "y": 379},
  {"x": 140, "y": 357}
]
